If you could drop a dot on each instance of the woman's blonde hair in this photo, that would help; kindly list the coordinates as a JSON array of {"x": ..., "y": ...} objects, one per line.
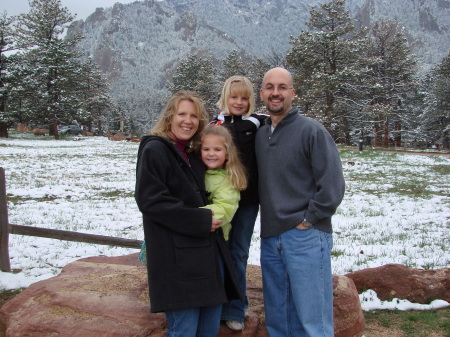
[
  {"x": 235, "y": 169},
  {"x": 163, "y": 127},
  {"x": 234, "y": 86}
]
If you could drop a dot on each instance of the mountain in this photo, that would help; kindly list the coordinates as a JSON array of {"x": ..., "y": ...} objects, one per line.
[{"x": 138, "y": 45}]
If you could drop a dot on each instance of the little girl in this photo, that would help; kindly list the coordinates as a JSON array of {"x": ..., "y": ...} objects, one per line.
[
  {"x": 225, "y": 175},
  {"x": 237, "y": 103}
]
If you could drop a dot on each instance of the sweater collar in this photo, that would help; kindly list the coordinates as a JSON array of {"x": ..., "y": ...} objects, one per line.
[
  {"x": 290, "y": 116},
  {"x": 182, "y": 146}
]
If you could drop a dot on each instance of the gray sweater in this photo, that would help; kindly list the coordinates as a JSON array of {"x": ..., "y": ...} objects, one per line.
[{"x": 300, "y": 175}]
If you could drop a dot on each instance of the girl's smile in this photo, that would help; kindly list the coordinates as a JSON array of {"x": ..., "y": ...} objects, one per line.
[
  {"x": 214, "y": 152},
  {"x": 238, "y": 105}
]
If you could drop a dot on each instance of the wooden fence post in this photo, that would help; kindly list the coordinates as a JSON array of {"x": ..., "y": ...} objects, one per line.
[{"x": 4, "y": 225}]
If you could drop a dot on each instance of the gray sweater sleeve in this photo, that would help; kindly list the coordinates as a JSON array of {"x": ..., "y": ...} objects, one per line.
[{"x": 327, "y": 173}]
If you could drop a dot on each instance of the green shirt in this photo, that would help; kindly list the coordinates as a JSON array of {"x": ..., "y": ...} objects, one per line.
[{"x": 224, "y": 198}]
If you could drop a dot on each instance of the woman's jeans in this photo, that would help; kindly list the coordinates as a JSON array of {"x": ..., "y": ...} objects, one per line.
[
  {"x": 239, "y": 244},
  {"x": 195, "y": 322},
  {"x": 297, "y": 283}
]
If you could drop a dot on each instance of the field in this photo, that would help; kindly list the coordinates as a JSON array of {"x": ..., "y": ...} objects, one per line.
[{"x": 396, "y": 207}]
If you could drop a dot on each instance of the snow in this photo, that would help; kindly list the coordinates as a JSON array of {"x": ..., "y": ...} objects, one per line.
[{"x": 396, "y": 209}]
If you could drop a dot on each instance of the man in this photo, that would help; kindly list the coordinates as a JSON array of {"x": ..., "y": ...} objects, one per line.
[{"x": 300, "y": 187}]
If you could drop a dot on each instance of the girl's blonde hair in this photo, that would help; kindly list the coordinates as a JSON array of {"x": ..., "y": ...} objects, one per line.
[
  {"x": 235, "y": 169},
  {"x": 234, "y": 86},
  {"x": 163, "y": 127}
]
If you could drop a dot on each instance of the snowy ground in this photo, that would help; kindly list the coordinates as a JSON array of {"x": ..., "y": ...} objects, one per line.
[{"x": 396, "y": 208}]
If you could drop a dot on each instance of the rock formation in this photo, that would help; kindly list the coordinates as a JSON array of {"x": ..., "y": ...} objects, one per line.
[
  {"x": 397, "y": 281},
  {"x": 108, "y": 296}
]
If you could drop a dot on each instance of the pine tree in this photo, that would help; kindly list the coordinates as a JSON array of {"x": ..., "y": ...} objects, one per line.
[
  {"x": 256, "y": 73},
  {"x": 232, "y": 65},
  {"x": 391, "y": 78},
  {"x": 197, "y": 74},
  {"x": 54, "y": 61},
  {"x": 6, "y": 45},
  {"x": 434, "y": 117},
  {"x": 327, "y": 66},
  {"x": 94, "y": 91}
]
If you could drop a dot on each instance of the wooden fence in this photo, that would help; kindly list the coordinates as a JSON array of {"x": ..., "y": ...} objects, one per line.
[
  {"x": 6, "y": 228},
  {"x": 424, "y": 146}
]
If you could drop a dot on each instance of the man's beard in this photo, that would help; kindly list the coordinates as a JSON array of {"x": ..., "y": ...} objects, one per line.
[{"x": 277, "y": 111}]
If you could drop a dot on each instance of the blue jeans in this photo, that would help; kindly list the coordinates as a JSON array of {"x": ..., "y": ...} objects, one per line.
[
  {"x": 196, "y": 322},
  {"x": 297, "y": 283},
  {"x": 239, "y": 244}
]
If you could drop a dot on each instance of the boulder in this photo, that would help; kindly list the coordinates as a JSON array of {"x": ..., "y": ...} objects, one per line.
[
  {"x": 397, "y": 281},
  {"x": 347, "y": 311},
  {"x": 21, "y": 127},
  {"x": 40, "y": 132},
  {"x": 118, "y": 136},
  {"x": 108, "y": 296}
]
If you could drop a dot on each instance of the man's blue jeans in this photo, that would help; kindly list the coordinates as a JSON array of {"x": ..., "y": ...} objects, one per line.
[
  {"x": 297, "y": 283},
  {"x": 239, "y": 244}
]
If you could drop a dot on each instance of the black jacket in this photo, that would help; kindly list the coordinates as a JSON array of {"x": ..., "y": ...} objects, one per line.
[
  {"x": 182, "y": 253},
  {"x": 243, "y": 130}
]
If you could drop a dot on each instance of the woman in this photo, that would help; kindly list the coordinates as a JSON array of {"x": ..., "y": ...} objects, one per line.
[{"x": 187, "y": 257}]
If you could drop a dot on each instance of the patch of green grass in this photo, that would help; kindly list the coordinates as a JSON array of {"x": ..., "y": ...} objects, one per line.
[
  {"x": 336, "y": 252},
  {"x": 440, "y": 169},
  {"x": 117, "y": 194},
  {"x": 18, "y": 200},
  {"x": 6, "y": 295},
  {"x": 417, "y": 323}
]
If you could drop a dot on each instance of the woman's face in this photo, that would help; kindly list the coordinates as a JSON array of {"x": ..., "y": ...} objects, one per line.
[{"x": 185, "y": 121}]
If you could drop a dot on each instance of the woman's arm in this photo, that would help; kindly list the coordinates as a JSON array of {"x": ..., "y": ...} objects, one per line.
[{"x": 166, "y": 196}]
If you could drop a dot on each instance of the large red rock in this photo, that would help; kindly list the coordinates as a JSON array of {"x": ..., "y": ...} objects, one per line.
[
  {"x": 397, "y": 281},
  {"x": 108, "y": 296},
  {"x": 348, "y": 314}
]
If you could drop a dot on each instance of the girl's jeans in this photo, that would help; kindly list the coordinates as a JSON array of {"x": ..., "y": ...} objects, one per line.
[{"x": 239, "y": 244}]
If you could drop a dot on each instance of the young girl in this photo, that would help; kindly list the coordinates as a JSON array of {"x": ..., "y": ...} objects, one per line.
[
  {"x": 237, "y": 103},
  {"x": 225, "y": 175}
]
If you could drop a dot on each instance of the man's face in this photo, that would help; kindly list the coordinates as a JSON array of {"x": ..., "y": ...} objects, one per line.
[{"x": 277, "y": 92}]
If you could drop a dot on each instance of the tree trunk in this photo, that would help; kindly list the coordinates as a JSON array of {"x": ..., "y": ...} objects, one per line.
[
  {"x": 53, "y": 129},
  {"x": 398, "y": 135},
  {"x": 386, "y": 132},
  {"x": 377, "y": 142},
  {"x": 3, "y": 130}
]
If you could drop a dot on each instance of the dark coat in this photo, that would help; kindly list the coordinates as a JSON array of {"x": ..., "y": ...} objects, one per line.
[{"x": 182, "y": 253}]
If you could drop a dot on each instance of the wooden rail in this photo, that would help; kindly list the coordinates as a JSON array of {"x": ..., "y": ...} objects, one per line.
[
  {"x": 424, "y": 146},
  {"x": 6, "y": 228}
]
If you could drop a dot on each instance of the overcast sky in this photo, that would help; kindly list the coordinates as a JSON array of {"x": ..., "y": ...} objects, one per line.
[{"x": 83, "y": 8}]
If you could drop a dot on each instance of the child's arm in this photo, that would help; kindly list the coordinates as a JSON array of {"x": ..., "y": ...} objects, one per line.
[{"x": 224, "y": 203}]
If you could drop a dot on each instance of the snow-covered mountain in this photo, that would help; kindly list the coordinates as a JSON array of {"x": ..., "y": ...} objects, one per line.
[{"x": 139, "y": 44}]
